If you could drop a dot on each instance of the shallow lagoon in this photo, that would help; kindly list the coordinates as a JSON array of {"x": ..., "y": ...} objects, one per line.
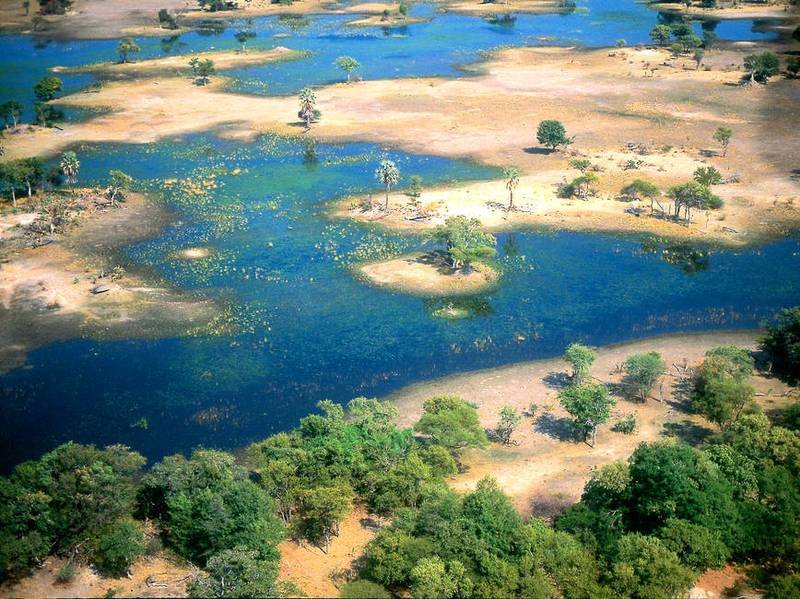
[{"x": 304, "y": 327}]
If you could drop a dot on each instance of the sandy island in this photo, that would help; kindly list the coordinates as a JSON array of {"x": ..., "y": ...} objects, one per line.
[
  {"x": 179, "y": 65},
  {"x": 46, "y": 292},
  {"x": 428, "y": 274},
  {"x": 639, "y": 107}
]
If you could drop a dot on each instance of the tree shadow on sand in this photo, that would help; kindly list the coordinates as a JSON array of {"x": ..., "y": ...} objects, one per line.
[
  {"x": 555, "y": 427},
  {"x": 538, "y": 150},
  {"x": 557, "y": 380},
  {"x": 687, "y": 431}
]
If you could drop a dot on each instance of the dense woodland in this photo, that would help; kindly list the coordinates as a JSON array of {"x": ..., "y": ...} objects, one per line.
[{"x": 645, "y": 527}]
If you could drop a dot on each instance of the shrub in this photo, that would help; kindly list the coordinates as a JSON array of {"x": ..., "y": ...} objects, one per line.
[
  {"x": 625, "y": 425},
  {"x": 364, "y": 589},
  {"x": 65, "y": 573}
]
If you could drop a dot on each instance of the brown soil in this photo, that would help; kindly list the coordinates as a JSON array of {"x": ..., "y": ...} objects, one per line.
[
  {"x": 320, "y": 573},
  {"x": 179, "y": 65},
  {"x": 149, "y": 577},
  {"x": 625, "y": 96},
  {"x": 427, "y": 274},
  {"x": 45, "y": 291},
  {"x": 772, "y": 9},
  {"x": 545, "y": 469}
]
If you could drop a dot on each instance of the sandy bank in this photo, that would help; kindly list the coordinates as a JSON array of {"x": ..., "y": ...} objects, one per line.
[
  {"x": 771, "y": 9},
  {"x": 427, "y": 274},
  {"x": 477, "y": 7},
  {"x": 547, "y": 469},
  {"x": 46, "y": 292},
  {"x": 179, "y": 65},
  {"x": 625, "y": 106}
]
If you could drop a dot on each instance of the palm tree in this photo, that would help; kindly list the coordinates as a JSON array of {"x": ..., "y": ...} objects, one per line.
[
  {"x": 70, "y": 167},
  {"x": 511, "y": 175},
  {"x": 388, "y": 174},
  {"x": 308, "y": 106}
]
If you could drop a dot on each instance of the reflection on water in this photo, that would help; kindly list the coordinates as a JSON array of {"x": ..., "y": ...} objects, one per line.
[{"x": 304, "y": 329}]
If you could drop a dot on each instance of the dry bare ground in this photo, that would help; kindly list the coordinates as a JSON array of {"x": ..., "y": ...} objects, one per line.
[{"x": 606, "y": 99}]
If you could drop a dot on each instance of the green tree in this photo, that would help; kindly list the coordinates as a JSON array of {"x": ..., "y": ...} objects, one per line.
[
  {"x": 639, "y": 188},
  {"x": 451, "y": 422},
  {"x": 10, "y": 112},
  {"x": 202, "y": 69},
  {"x": 242, "y": 36},
  {"x": 552, "y": 134},
  {"x": 415, "y": 186},
  {"x": 642, "y": 371},
  {"x": 581, "y": 358},
  {"x": 206, "y": 504},
  {"x": 12, "y": 179},
  {"x": 70, "y": 166},
  {"x": 120, "y": 182},
  {"x": 465, "y": 241},
  {"x": 432, "y": 578},
  {"x": 699, "y": 54},
  {"x": 348, "y": 64},
  {"x": 118, "y": 544},
  {"x": 508, "y": 421},
  {"x": 308, "y": 106},
  {"x": 661, "y": 34},
  {"x": 581, "y": 164},
  {"x": 33, "y": 173},
  {"x": 237, "y": 572},
  {"x": 589, "y": 405},
  {"x": 720, "y": 393},
  {"x": 511, "y": 176},
  {"x": 707, "y": 175},
  {"x": 387, "y": 175},
  {"x": 645, "y": 568},
  {"x": 723, "y": 136},
  {"x": 320, "y": 512},
  {"x": 692, "y": 195},
  {"x": 364, "y": 589},
  {"x": 44, "y": 91},
  {"x": 761, "y": 66},
  {"x": 695, "y": 545},
  {"x": 125, "y": 48},
  {"x": 782, "y": 343}
]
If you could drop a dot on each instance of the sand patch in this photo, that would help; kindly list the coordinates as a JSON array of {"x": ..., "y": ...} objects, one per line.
[
  {"x": 546, "y": 469},
  {"x": 428, "y": 274}
]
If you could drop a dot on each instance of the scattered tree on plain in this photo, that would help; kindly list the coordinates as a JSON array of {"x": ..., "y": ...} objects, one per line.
[
  {"x": 348, "y": 64},
  {"x": 589, "y": 405},
  {"x": 723, "y": 136},
  {"x": 552, "y": 134},
  {"x": 511, "y": 176},
  {"x": 465, "y": 241},
  {"x": 642, "y": 371},
  {"x": 387, "y": 175},
  {"x": 581, "y": 358}
]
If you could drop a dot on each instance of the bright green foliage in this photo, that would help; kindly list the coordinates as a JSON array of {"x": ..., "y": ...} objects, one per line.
[
  {"x": 125, "y": 48},
  {"x": 465, "y": 241},
  {"x": 787, "y": 585},
  {"x": 723, "y": 136},
  {"x": 581, "y": 164},
  {"x": 782, "y": 343},
  {"x": 707, "y": 175},
  {"x": 65, "y": 498},
  {"x": 693, "y": 195},
  {"x": 364, "y": 589},
  {"x": 581, "y": 358},
  {"x": 119, "y": 183},
  {"x": 639, "y": 188},
  {"x": 348, "y": 64},
  {"x": 720, "y": 393},
  {"x": 202, "y": 69},
  {"x": 388, "y": 175},
  {"x": 451, "y": 422},
  {"x": 431, "y": 578},
  {"x": 371, "y": 414},
  {"x": 762, "y": 66},
  {"x": 589, "y": 405},
  {"x": 645, "y": 568},
  {"x": 70, "y": 166},
  {"x": 439, "y": 459},
  {"x": 415, "y": 186},
  {"x": 552, "y": 134},
  {"x": 509, "y": 420},
  {"x": 642, "y": 371},
  {"x": 661, "y": 34},
  {"x": 207, "y": 504},
  {"x": 511, "y": 176},
  {"x": 10, "y": 112},
  {"x": 696, "y": 546},
  {"x": 237, "y": 572},
  {"x": 118, "y": 544},
  {"x": 47, "y": 89},
  {"x": 320, "y": 511},
  {"x": 308, "y": 106}
]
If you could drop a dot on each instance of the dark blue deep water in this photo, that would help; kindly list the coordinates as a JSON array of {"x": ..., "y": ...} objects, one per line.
[{"x": 300, "y": 326}]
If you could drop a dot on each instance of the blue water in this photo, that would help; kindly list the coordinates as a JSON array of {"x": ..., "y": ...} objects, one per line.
[
  {"x": 301, "y": 326},
  {"x": 437, "y": 47}
]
